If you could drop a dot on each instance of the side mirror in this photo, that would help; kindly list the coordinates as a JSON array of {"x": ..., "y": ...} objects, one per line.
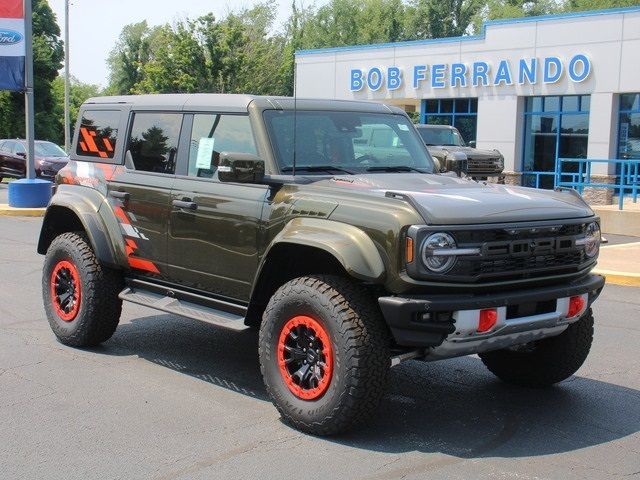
[
  {"x": 21, "y": 154},
  {"x": 472, "y": 143},
  {"x": 240, "y": 168}
]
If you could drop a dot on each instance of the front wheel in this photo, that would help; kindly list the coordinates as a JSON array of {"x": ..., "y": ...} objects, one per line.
[
  {"x": 544, "y": 362},
  {"x": 80, "y": 295},
  {"x": 324, "y": 353}
]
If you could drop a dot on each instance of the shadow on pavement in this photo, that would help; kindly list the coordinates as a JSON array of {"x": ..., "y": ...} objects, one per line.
[{"x": 454, "y": 407}]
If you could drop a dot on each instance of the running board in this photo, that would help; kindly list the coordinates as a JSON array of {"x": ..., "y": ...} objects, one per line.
[{"x": 184, "y": 308}]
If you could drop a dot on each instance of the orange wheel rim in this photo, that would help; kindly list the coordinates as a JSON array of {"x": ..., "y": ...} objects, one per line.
[
  {"x": 305, "y": 357},
  {"x": 66, "y": 291}
]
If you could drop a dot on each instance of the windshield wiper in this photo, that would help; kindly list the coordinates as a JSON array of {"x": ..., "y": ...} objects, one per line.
[
  {"x": 395, "y": 168},
  {"x": 317, "y": 168}
]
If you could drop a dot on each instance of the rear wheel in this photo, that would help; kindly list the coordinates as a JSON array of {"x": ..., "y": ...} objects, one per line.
[
  {"x": 80, "y": 295},
  {"x": 546, "y": 361},
  {"x": 324, "y": 353}
]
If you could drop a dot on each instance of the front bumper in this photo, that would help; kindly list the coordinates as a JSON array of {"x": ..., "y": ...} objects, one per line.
[{"x": 438, "y": 321}]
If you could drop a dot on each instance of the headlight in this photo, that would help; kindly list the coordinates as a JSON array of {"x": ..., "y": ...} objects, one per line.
[
  {"x": 591, "y": 240},
  {"x": 435, "y": 253}
]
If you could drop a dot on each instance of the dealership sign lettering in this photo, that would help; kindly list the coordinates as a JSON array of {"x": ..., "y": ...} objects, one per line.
[{"x": 477, "y": 74}]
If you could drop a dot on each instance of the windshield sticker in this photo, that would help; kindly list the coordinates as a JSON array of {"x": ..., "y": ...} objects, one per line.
[
  {"x": 403, "y": 127},
  {"x": 205, "y": 151}
]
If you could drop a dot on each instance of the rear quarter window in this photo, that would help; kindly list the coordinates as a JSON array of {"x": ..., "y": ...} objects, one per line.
[{"x": 98, "y": 133}]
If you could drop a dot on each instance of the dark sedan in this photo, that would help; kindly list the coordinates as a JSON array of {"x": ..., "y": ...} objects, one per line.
[{"x": 49, "y": 159}]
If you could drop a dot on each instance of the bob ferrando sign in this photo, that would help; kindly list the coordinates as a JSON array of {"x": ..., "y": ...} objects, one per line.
[{"x": 12, "y": 45}]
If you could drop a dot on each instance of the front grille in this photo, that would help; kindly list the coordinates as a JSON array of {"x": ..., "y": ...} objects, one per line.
[
  {"x": 520, "y": 253},
  {"x": 484, "y": 165}
]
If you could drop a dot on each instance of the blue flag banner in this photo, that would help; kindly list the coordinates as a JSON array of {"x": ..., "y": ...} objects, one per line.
[{"x": 12, "y": 45}]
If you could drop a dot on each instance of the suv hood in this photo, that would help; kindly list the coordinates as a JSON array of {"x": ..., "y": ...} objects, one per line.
[
  {"x": 444, "y": 200},
  {"x": 439, "y": 150}
]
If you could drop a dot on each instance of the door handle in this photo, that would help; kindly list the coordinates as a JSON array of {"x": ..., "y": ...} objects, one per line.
[
  {"x": 121, "y": 195},
  {"x": 185, "y": 203}
]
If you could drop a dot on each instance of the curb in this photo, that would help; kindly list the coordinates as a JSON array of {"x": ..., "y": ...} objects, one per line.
[
  {"x": 620, "y": 278},
  {"x": 7, "y": 211}
]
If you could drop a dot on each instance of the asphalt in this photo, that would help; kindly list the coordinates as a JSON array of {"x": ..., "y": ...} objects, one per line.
[{"x": 171, "y": 398}]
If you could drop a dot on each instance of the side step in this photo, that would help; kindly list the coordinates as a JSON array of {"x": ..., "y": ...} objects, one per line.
[{"x": 184, "y": 308}]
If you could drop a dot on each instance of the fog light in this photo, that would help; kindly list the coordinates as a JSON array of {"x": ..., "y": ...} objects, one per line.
[
  {"x": 488, "y": 319},
  {"x": 576, "y": 306}
]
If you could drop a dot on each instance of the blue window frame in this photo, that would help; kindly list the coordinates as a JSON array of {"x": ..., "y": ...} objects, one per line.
[
  {"x": 629, "y": 126},
  {"x": 555, "y": 127},
  {"x": 461, "y": 113}
]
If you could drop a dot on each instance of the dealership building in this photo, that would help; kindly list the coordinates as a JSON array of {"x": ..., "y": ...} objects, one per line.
[{"x": 535, "y": 88}]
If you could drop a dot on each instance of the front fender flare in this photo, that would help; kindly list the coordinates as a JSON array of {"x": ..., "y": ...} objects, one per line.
[{"x": 351, "y": 246}]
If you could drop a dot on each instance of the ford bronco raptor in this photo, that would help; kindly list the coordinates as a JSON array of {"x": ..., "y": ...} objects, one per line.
[{"x": 347, "y": 255}]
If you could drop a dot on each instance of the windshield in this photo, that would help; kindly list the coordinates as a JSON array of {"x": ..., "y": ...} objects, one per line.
[
  {"x": 441, "y": 136},
  {"x": 346, "y": 142},
  {"x": 48, "y": 149}
]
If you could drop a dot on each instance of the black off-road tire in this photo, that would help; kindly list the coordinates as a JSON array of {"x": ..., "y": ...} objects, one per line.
[
  {"x": 546, "y": 361},
  {"x": 361, "y": 357},
  {"x": 99, "y": 308}
]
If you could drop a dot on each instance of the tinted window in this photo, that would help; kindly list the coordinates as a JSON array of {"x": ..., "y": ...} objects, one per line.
[
  {"x": 213, "y": 134},
  {"x": 98, "y": 133},
  {"x": 154, "y": 141},
  {"x": 441, "y": 136}
]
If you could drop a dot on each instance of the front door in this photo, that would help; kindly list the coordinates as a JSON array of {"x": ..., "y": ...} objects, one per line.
[
  {"x": 140, "y": 193},
  {"x": 214, "y": 227}
]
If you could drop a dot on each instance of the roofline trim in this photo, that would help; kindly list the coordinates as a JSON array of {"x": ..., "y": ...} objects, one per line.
[{"x": 480, "y": 36}]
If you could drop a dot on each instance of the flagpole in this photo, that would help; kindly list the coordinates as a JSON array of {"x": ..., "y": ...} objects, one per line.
[
  {"x": 67, "y": 127},
  {"x": 28, "y": 91}
]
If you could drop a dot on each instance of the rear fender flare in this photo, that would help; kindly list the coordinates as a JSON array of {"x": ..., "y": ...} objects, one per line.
[{"x": 98, "y": 221}]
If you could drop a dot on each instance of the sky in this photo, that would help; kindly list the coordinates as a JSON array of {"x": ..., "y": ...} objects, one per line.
[{"x": 94, "y": 27}]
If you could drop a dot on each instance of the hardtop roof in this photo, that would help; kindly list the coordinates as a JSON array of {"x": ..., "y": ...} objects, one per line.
[{"x": 238, "y": 102}]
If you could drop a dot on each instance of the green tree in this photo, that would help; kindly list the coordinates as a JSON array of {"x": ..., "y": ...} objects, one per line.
[
  {"x": 579, "y": 5},
  {"x": 129, "y": 56},
  {"x": 48, "y": 55},
  {"x": 176, "y": 63}
]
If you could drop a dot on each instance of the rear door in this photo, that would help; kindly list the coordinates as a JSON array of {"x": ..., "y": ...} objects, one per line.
[
  {"x": 214, "y": 226},
  {"x": 141, "y": 191}
]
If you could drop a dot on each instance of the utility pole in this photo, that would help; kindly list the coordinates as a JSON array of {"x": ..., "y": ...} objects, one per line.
[
  {"x": 67, "y": 126},
  {"x": 28, "y": 91}
]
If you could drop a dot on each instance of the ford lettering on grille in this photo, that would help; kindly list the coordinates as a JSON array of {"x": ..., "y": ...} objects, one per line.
[{"x": 528, "y": 247}]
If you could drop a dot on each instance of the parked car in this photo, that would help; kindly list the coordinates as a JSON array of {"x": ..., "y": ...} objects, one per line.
[
  {"x": 49, "y": 159},
  {"x": 446, "y": 145},
  {"x": 260, "y": 212}
]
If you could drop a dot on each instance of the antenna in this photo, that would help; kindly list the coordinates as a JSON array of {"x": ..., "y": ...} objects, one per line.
[{"x": 295, "y": 109}]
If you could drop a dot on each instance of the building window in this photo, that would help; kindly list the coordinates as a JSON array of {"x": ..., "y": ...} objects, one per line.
[
  {"x": 461, "y": 113},
  {"x": 555, "y": 127},
  {"x": 629, "y": 126}
]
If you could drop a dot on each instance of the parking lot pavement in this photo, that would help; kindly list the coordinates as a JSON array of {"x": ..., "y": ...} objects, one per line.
[{"x": 170, "y": 398}]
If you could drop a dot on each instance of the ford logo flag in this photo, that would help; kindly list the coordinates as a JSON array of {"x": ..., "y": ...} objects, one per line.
[
  {"x": 12, "y": 45},
  {"x": 10, "y": 37}
]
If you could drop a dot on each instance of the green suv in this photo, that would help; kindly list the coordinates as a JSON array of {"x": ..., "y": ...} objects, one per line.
[{"x": 324, "y": 225}]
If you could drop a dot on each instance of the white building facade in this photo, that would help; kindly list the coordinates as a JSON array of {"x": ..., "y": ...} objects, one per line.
[{"x": 535, "y": 88}]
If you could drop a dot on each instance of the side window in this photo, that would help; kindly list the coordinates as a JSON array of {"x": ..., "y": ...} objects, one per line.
[
  {"x": 153, "y": 142},
  {"x": 213, "y": 134},
  {"x": 98, "y": 133}
]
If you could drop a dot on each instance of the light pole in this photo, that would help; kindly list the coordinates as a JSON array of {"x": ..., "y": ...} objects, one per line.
[{"x": 67, "y": 127}]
